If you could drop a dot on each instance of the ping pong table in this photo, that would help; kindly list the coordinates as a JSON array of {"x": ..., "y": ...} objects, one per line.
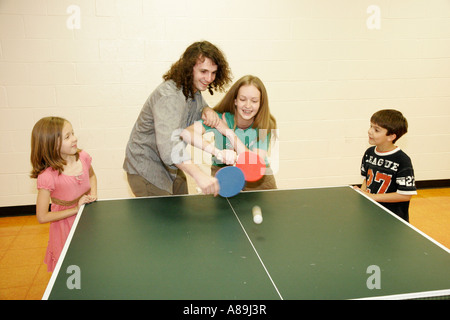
[{"x": 318, "y": 243}]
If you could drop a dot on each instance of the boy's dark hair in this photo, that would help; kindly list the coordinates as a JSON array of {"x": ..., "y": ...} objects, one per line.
[
  {"x": 182, "y": 71},
  {"x": 391, "y": 120}
]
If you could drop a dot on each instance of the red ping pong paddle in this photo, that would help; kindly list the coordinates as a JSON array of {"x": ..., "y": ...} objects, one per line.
[
  {"x": 252, "y": 165},
  {"x": 231, "y": 181}
]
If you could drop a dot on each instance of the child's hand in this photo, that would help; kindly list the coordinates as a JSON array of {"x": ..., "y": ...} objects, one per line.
[
  {"x": 86, "y": 199},
  {"x": 363, "y": 191},
  {"x": 210, "y": 117},
  {"x": 366, "y": 192},
  {"x": 227, "y": 157},
  {"x": 222, "y": 125}
]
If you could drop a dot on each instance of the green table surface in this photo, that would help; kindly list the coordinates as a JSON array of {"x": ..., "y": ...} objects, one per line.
[{"x": 313, "y": 244}]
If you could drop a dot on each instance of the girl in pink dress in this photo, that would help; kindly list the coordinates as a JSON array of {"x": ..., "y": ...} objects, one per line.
[{"x": 64, "y": 176}]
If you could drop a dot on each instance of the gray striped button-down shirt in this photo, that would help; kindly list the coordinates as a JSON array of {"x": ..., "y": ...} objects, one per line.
[{"x": 155, "y": 145}]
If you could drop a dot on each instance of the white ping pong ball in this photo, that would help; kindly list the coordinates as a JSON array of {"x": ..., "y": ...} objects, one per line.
[
  {"x": 257, "y": 219},
  {"x": 257, "y": 215}
]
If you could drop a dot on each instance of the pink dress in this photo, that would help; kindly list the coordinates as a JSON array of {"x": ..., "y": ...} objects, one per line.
[{"x": 63, "y": 189}]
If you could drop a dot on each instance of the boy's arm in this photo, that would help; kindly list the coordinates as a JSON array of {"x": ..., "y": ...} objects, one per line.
[
  {"x": 364, "y": 186},
  {"x": 390, "y": 197},
  {"x": 385, "y": 197}
]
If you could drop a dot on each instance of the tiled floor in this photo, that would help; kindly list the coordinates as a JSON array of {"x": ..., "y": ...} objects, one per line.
[
  {"x": 23, "y": 242},
  {"x": 430, "y": 212}
]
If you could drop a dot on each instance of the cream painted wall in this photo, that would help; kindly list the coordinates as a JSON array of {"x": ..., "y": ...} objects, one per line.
[{"x": 328, "y": 66}]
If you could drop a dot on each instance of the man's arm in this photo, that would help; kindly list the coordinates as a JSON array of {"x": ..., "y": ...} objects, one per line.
[{"x": 208, "y": 184}]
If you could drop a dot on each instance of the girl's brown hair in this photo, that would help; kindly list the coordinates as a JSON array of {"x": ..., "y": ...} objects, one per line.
[
  {"x": 182, "y": 71},
  {"x": 263, "y": 119},
  {"x": 46, "y": 139}
]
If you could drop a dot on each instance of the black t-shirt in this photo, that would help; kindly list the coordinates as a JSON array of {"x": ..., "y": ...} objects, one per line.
[{"x": 387, "y": 172}]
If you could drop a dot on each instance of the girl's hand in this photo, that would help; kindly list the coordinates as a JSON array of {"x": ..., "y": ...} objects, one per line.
[
  {"x": 86, "y": 199},
  {"x": 210, "y": 117},
  {"x": 222, "y": 125},
  {"x": 227, "y": 157}
]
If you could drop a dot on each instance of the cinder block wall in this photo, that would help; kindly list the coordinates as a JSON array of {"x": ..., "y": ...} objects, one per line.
[{"x": 328, "y": 66}]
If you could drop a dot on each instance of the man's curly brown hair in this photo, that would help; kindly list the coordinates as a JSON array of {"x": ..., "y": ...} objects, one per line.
[{"x": 182, "y": 71}]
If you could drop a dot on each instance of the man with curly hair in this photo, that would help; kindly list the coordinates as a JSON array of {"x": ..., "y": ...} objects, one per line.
[{"x": 155, "y": 157}]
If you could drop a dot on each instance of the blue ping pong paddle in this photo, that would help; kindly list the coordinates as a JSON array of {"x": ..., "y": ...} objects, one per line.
[{"x": 231, "y": 181}]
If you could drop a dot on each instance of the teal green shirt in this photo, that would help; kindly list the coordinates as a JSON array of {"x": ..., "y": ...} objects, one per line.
[{"x": 249, "y": 137}]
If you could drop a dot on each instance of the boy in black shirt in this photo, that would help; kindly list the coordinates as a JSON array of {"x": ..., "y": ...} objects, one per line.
[{"x": 387, "y": 171}]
